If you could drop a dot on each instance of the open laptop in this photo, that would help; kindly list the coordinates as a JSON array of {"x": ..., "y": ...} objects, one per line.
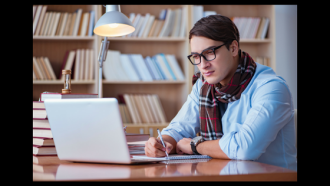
[{"x": 89, "y": 130}]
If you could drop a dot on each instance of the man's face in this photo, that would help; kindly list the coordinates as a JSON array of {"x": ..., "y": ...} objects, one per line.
[{"x": 219, "y": 69}]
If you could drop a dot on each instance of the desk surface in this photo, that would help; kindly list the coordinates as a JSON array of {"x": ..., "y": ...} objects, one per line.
[{"x": 196, "y": 170}]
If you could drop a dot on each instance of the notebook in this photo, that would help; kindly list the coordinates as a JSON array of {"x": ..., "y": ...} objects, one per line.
[
  {"x": 174, "y": 157},
  {"x": 89, "y": 130}
]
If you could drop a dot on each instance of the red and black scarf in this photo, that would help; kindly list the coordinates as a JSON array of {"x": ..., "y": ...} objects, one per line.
[{"x": 209, "y": 114}]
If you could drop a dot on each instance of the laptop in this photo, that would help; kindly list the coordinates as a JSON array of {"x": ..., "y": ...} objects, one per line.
[{"x": 89, "y": 130}]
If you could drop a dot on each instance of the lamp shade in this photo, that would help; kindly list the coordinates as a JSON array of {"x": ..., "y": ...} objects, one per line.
[{"x": 113, "y": 23}]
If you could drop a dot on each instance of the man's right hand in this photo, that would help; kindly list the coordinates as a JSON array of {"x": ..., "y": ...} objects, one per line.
[{"x": 154, "y": 148}]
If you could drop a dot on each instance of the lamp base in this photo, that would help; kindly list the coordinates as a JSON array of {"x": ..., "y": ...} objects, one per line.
[{"x": 66, "y": 91}]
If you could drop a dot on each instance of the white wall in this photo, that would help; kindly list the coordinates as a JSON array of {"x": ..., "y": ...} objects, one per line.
[{"x": 286, "y": 46}]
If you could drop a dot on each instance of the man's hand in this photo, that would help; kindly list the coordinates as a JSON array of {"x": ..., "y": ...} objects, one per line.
[
  {"x": 183, "y": 146},
  {"x": 154, "y": 148}
]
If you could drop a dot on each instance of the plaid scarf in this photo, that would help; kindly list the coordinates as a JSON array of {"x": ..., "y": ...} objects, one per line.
[{"x": 210, "y": 94}]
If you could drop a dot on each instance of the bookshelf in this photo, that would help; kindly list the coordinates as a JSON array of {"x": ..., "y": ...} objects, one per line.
[{"x": 172, "y": 94}]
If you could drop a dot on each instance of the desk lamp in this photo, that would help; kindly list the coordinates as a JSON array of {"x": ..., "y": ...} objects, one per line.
[{"x": 112, "y": 24}]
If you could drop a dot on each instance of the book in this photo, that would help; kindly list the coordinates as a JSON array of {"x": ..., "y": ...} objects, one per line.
[
  {"x": 177, "y": 21},
  {"x": 152, "y": 68},
  {"x": 63, "y": 23},
  {"x": 153, "y": 108},
  {"x": 143, "y": 26},
  {"x": 51, "y": 24},
  {"x": 140, "y": 108},
  {"x": 77, "y": 65},
  {"x": 35, "y": 72},
  {"x": 84, "y": 24},
  {"x": 175, "y": 66},
  {"x": 153, "y": 26},
  {"x": 184, "y": 21},
  {"x": 265, "y": 29},
  {"x": 126, "y": 63},
  {"x": 255, "y": 29},
  {"x": 135, "y": 23},
  {"x": 167, "y": 65},
  {"x": 141, "y": 67},
  {"x": 159, "y": 107},
  {"x": 168, "y": 24},
  {"x": 91, "y": 23},
  {"x": 69, "y": 62},
  {"x": 44, "y": 67},
  {"x": 91, "y": 65},
  {"x": 45, "y": 133},
  {"x": 87, "y": 58},
  {"x": 36, "y": 18},
  {"x": 127, "y": 114},
  {"x": 41, "y": 123},
  {"x": 44, "y": 96},
  {"x": 34, "y": 10},
  {"x": 39, "y": 113},
  {"x": 72, "y": 23},
  {"x": 67, "y": 24},
  {"x": 55, "y": 23},
  {"x": 46, "y": 159},
  {"x": 77, "y": 22},
  {"x": 42, "y": 150},
  {"x": 148, "y": 26},
  {"x": 174, "y": 157},
  {"x": 131, "y": 108},
  {"x": 158, "y": 28},
  {"x": 159, "y": 68},
  {"x": 50, "y": 68},
  {"x": 34, "y": 75},
  {"x": 109, "y": 71},
  {"x": 134, "y": 66},
  {"x": 197, "y": 13},
  {"x": 59, "y": 25},
  {"x": 82, "y": 64},
  {"x": 43, "y": 141},
  {"x": 43, "y": 25},
  {"x": 138, "y": 26},
  {"x": 41, "y": 20},
  {"x": 209, "y": 12},
  {"x": 38, "y": 68},
  {"x": 163, "y": 68},
  {"x": 147, "y": 108}
]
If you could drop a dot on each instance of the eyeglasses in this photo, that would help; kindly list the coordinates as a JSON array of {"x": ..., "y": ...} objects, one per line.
[{"x": 208, "y": 55}]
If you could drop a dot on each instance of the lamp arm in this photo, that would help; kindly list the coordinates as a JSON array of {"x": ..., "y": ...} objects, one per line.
[{"x": 102, "y": 57}]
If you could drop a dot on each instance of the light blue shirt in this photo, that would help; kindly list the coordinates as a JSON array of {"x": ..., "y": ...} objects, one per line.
[{"x": 258, "y": 127}]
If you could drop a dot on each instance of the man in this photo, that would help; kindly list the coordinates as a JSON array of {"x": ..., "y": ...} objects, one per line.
[{"x": 241, "y": 108}]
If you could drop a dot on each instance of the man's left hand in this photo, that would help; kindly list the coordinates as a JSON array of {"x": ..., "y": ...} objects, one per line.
[{"x": 183, "y": 146}]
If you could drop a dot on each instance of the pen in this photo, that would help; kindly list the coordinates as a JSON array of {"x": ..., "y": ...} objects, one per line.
[{"x": 161, "y": 139}]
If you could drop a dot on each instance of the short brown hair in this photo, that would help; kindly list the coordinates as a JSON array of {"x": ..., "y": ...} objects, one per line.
[{"x": 216, "y": 27}]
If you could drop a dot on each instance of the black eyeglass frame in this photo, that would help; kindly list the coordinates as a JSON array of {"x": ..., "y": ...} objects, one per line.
[{"x": 201, "y": 54}]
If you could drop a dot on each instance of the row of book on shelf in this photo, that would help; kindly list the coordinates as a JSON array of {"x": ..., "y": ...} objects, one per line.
[
  {"x": 52, "y": 23},
  {"x": 133, "y": 67},
  {"x": 248, "y": 27},
  {"x": 79, "y": 61},
  {"x": 263, "y": 60},
  {"x": 170, "y": 23},
  {"x": 141, "y": 108},
  {"x": 43, "y": 142}
]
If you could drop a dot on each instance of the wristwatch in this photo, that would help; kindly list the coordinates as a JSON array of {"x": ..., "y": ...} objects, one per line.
[{"x": 194, "y": 142}]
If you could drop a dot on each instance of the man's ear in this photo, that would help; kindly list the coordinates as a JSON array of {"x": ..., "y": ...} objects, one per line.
[{"x": 234, "y": 48}]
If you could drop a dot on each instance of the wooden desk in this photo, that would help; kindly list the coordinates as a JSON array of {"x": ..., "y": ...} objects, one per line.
[{"x": 209, "y": 170}]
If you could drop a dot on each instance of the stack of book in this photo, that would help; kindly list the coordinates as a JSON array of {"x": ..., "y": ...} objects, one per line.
[
  {"x": 170, "y": 23},
  {"x": 252, "y": 27},
  {"x": 43, "y": 143},
  {"x": 133, "y": 67},
  {"x": 52, "y": 23},
  {"x": 142, "y": 108}
]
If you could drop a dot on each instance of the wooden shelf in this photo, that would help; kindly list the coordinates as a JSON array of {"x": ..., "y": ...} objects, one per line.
[
  {"x": 64, "y": 37},
  {"x": 144, "y": 82},
  {"x": 60, "y": 82}
]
